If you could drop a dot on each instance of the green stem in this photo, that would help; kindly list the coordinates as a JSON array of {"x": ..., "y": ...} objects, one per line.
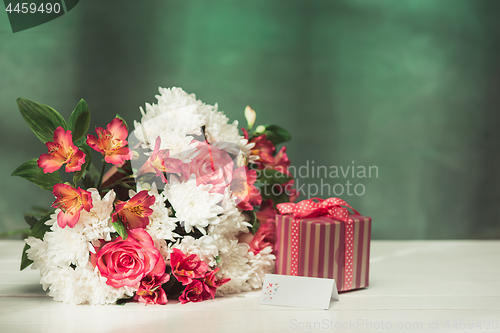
[
  {"x": 102, "y": 173},
  {"x": 119, "y": 181}
]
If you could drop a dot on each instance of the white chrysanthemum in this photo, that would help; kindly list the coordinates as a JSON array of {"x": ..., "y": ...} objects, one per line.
[
  {"x": 97, "y": 223},
  {"x": 81, "y": 285},
  {"x": 161, "y": 225},
  {"x": 218, "y": 129},
  {"x": 163, "y": 247},
  {"x": 175, "y": 119},
  {"x": 179, "y": 116},
  {"x": 194, "y": 206},
  {"x": 232, "y": 221},
  {"x": 234, "y": 265},
  {"x": 65, "y": 246},
  {"x": 262, "y": 263},
  {"x": 63, "y": 260},
  {"x": 204, "y": 247},
  {"x": 37, "y": 252}
]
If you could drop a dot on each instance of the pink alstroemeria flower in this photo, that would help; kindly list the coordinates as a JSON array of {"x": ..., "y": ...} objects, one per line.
[
  {"x": 242, "y": 186},
  {"x": 112, "y": 142},
  {"x": 62, "y": 151},
  {"x": 135, "y": 212},
  {"x": 160, "y": 163},
  {"x": 186, "y": 268},
  {"x": 71, "y": 201}
]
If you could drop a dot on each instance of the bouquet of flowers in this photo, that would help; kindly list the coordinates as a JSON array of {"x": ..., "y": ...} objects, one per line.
[{"x": 182, "y": 208}]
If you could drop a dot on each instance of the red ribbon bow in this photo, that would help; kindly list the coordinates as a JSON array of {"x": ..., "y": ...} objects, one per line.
[{"x": 332, "y": 207}]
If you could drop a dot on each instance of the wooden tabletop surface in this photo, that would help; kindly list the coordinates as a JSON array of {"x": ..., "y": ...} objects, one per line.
[{"x": 415, "y": 286}]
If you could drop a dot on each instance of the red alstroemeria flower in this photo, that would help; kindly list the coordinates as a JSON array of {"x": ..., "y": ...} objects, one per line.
[
  {"x": 264, "y": 237},
  {"x": 264, "y": 149},
  {"x": 71, "y": 201},
  {"x": 135, "y": 212},
  {"x": 112, "y": 142},
  {"x": 186, "y": 268},
  {"x": 62, "y": 151},
  {"x": 280, "y": 162},
  {"x": 160, "y": 163},
  {"x": 242, "y": 186},
  {"x": 212, "y": 283},
  {"x": 195, "y": 291},
  {"x": 267, "y": 212},
  {"x": 150, "y": 290}
]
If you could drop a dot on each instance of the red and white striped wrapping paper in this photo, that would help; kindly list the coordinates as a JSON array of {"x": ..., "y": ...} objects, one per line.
[{"x": 321, "y": 251}]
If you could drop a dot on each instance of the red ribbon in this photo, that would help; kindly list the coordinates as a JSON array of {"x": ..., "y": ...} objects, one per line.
[{"x": 332, "y": 207}]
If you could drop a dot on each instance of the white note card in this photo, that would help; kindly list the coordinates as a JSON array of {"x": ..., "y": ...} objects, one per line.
[{"x": 298, "y": 291}]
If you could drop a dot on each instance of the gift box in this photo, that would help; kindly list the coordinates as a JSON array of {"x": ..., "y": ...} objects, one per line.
[{"x": 323, "y": 239}]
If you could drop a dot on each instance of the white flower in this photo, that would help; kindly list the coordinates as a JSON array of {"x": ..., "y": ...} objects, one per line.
[
  {"x": 97, "y": 223},
  {"x": 194, "y": 205},
  {"x": 204, "y": 247},
  {"x": 63, "y": 246},
  {"x": 218, "y": 129},
  {"x": 63, "y": 260},
  {"x": 81, "y": 285},
  {"x": 161, "y": 225},
  {"x": 262, "y": 263},
  {"x": 232, "y": 221},
  {"x": 179, "y": 116},
  {"x": 233, "y": 264},
  {"x": 175, "y": 119}
]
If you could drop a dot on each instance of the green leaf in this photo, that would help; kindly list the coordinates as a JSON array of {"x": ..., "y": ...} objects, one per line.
[
  {"x": 274, "y": 133},
  {"x": 88, "y": 158},
  {"x": 42, "y": 119},
  {"x": 120, "y": 117},
  {"x": 30, "y": 220},
  {"x": 79, "y": 121},
  {"x": 32, "y": 172},
  {"x": 120, "y": 229},
  {"x": 254, "y": 221},
  {"x": 38, "y": 231},
  {"x": 271, "y": 176}
]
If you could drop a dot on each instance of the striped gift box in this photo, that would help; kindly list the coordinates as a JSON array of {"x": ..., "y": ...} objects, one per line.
[{"x": 321, "y": 251}]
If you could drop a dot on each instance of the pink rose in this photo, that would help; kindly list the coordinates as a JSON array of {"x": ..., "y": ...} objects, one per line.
[
  {"x": 127, "y": 262},
  {"x": 150, "y": 290},
  {"x": 211, "y": 165}
]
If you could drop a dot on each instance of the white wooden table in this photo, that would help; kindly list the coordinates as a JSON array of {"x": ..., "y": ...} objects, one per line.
[{"x": 415, "y": 286}]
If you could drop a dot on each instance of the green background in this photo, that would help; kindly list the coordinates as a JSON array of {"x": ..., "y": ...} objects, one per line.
[{"x": 409, "y": 86}]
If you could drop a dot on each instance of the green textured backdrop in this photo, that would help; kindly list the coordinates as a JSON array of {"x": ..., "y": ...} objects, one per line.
[{"x": 411, "y": 87}]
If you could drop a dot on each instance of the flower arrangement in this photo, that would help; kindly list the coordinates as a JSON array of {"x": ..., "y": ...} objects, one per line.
[{"x": 183, "y": 207}]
